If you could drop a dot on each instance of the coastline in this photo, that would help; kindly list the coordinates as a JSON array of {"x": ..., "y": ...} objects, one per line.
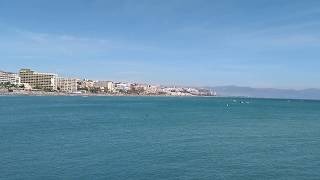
[{"x": 53, "y": 94}]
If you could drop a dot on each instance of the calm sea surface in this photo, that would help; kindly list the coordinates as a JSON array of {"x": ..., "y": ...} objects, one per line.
[{"x": 158, "y": 138}]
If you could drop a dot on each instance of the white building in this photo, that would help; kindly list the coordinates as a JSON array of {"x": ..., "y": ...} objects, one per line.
[
  {"x": 12, "y": 78},
  {"x": 122, "y": 86},
  {"x": 67, "y": 84},
  {"x": 27, "y": 87}
]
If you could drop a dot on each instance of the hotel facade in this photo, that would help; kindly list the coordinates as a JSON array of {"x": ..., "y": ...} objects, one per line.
[{"x": 37, "y": 80}]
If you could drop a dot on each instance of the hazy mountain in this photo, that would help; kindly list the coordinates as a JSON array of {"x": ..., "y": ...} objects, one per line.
[{"x": 267, "y": 92}]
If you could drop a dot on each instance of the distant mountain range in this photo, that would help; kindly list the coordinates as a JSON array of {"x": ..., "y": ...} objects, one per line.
[{"x": 267, "y": 92}]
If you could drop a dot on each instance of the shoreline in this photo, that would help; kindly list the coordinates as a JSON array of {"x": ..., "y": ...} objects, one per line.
[{"x": 56, "y": 94}]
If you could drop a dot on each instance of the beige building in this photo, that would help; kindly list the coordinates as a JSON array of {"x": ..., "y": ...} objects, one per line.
[
  {"x": 12, "y": 78},
  {"x": 67, "y": 84},
  {"x": 107, "y": 85},
  {"x": 38, "y": 80}
]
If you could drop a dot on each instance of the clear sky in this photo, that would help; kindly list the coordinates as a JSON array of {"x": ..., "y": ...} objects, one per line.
[{"x": 259, "y": 43}]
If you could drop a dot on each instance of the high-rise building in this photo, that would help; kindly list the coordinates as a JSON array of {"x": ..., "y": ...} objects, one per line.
[
  {"x": 12, "y": 78},
  {"x": 67, "y": 84},
  {"x": 37, "y": 80}
]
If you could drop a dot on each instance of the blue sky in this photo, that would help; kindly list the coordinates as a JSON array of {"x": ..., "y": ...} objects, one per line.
[{"x": 259, "y": 43}]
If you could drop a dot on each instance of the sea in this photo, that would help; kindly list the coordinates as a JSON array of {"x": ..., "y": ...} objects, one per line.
[{"x": 153, "y": 138}]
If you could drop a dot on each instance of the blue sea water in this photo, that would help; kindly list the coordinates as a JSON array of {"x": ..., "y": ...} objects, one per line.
[{"x": 158, "y": 138}]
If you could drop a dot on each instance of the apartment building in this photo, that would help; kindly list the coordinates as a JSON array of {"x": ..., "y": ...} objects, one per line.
[
  {"x": 12, "y": 78},
  {"x": 67, "y": 84},
  {"x": 38, "y": 80}
]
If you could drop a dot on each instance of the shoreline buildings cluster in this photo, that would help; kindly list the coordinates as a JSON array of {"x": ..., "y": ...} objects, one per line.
[
  {"x": 28, "y": 80},
  {"x": 13, "y": 78}
]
